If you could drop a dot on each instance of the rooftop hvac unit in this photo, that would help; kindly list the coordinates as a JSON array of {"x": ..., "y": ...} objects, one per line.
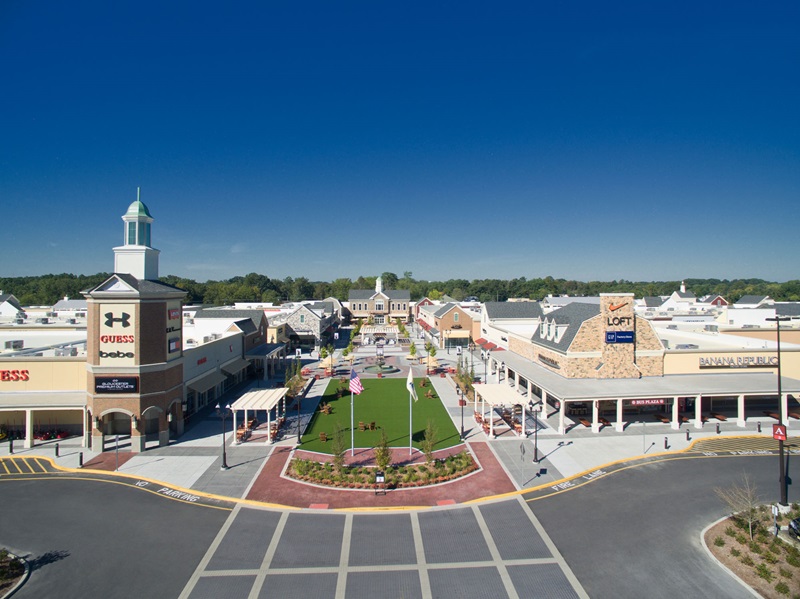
[
  {"x": 15, "y": 344},
  {"x": 191, "y": 342},
  {"x": 206, "y": 339},
  {"x": 20, "y": 321}
]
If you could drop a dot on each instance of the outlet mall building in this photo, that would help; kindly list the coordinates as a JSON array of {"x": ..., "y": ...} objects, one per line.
[
  {"x": 135, "y": 377},
  {"x": 584, "y": 362}
]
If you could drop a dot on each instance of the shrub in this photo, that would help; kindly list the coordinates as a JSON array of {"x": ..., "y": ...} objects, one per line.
[
  {"x": 730, "y": 531},
  {"x": 756, "y": 548},
  {"x": 793, "y": 561},
  {"x": 774, "y": 548},
  {"x": 741, "y": 539},
  {"x": 785, "y": 573},
  {"x": 770, "y": 559},
  {"x": 719, "y": 542},
  {"x": 747, "y": 560},
  {"x": 782, "y": 588},
  {"x": 735, "y": 552}
]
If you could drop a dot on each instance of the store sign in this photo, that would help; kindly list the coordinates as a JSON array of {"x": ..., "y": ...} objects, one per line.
[
  {"x": 13, "y": 376},
  {"x": 174, "y": 345},
  {"x": 739, "y": 362},
  {"x": 620, "y": 321},
  {"x": 116, "y": 384},
  {"x": 619, "y": 337},
  {"x": 549, "y": 362},
  {"x": 647, "y": 402},
  {"x": 779, "y": 432},
  {"x": 117, "y": 335}
]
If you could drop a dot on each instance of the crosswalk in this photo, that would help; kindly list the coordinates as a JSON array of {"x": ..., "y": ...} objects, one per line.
[
  {"x": 745, "y": 445},
  {"x": 16, "y": 466}
]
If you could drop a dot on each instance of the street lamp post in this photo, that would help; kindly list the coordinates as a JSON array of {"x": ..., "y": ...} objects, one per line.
[
  {"x": 782, "y": 478},
  {"x": 536, "y": 409},
  {"x": 223, "y": 412},
  {"x": 299, "y": 402},
  {"x": 461, "y": 402},
  {"x": 503, "y": 370}
]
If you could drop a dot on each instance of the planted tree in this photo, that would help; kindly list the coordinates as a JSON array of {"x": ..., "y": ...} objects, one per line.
[
  {"x": 429, "y": 441},
  {"x": 383, "y": 455},
  {"x": 338, "y": 449},
  {"x": 742, "y": 500}
]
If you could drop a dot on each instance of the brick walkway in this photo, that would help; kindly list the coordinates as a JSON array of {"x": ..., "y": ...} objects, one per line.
[{"x": 270, "y": 487}]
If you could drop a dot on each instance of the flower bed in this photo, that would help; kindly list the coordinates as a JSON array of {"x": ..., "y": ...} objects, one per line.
[{"x": 396, "y": 477}]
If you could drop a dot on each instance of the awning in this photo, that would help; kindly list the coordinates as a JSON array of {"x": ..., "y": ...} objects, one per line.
[
  {"x": 260, "y": 399},
  {"x": 204, "y": 383},
  {"x": 480, "y": 341},
  {"x": 235, "y": 366},
  {"x": 500, "y": 394},
  {"x": 489, "y": 346}
]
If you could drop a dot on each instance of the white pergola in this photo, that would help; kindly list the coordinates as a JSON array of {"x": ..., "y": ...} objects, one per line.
[
  {"x": 499, "y": 394},
  {"x": 260, "y": 399}
]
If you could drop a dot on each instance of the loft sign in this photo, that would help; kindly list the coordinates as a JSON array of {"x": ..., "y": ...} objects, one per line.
[
  {"x": 620, "y": 321},
  {"x": 739, "y": 362}
]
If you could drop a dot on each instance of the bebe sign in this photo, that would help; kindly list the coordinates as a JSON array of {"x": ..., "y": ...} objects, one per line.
[{"x": 115, "y": 354}]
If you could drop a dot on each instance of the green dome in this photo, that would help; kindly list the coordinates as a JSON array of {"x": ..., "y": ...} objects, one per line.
[{"x": 138, "y": 208}]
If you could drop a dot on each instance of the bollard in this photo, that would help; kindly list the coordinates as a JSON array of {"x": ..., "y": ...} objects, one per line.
[
  {"x": 57, "y": 450},
  {"x": 80, "y": 460},
  {"x": 10, "y": 445},
  {"x": 687, "y": 435},
  {"x": 717, "y": 427},
  {"x": 666, "y": 443},
  {"x": 759, "y": 427}
]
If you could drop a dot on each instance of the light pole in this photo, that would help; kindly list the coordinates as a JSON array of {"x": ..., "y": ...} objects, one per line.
[
  {"x": 299, "y": 402},
  {"x": 536, "y": 409},
  {"x": 461, "y": 402},
  {"x": 782, "y": 478},
  {"x": 223, "y": 412},
  {"x": 503, "y": 370}
]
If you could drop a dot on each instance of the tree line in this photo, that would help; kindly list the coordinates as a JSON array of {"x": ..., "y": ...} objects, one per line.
[{"x": 46, "y": 290}]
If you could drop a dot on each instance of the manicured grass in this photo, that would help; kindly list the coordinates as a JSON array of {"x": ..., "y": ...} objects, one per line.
[{"x": 384, "y": 402}]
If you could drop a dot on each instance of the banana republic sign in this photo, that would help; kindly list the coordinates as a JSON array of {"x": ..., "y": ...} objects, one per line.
[{"x": 738, "y": 362}]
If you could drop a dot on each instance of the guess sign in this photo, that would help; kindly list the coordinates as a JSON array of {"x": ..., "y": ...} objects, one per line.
[{"x": 12, "y": 376}]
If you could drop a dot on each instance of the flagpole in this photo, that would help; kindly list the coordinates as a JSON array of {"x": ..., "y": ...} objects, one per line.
[
  {"x": 352, "y": 432},
  {"x": 410, "y": 403}
]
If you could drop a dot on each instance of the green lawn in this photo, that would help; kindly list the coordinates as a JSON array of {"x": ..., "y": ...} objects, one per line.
[{"x": 385, "y": 402}]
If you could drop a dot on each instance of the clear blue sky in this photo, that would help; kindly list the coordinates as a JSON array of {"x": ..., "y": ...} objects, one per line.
[{"x": 581, "y": 140}]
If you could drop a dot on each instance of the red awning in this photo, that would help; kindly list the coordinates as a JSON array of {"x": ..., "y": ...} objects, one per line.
[
  {"x": 480, "y": 341},
  {"x": 489, "y": 346}
]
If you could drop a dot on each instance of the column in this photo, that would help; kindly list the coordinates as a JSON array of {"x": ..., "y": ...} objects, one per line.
[
  {"x": 233, "y": 412},
  {"x": 562, "y": 408},
  {"x": 28, "y": 442},
  {"x": 138, "y": 440},
  {"x": 676, "y": 423},
  {"x": 741, "y": 420},
  {"x": 87, "y": 429},
  {"x": 620, "y": 424},
  {"x": 595, "y": 416},
  {"x": 698, "y": 411},
  {"x": 163, "y": 429},
  {"x": 516, "y": 380},
  {"x": 97, "y": 434}
]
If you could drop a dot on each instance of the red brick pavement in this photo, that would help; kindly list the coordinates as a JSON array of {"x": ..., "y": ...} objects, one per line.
[
  {"x": 270, "y": 487},
  {"x": 108, "y": 461}
]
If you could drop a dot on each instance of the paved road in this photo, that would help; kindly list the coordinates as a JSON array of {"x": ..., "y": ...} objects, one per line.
[
  {"x": 102, "y": 539},
  {"x": 636, "y": 533}
]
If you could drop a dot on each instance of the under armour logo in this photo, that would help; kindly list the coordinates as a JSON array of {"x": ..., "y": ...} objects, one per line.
[{"x": 110, "y": 320}]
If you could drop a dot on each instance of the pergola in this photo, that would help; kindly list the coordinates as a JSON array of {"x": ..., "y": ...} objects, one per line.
[
  {"x": 260, "y": 399},
  {"x": 499, "y": 394}
]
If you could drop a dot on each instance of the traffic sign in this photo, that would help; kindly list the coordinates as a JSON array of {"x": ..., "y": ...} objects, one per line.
[{"x": 779, "y": 432}]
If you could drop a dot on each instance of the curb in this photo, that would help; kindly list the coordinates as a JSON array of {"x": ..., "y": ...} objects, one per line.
[{"x": 25, "y": 575}]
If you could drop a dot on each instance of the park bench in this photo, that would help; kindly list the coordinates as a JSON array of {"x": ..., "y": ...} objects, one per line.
[
  {"x": 323, "y": 437},
  {"x": 661, "y": 418},
  {"x": 718, "y": 416},
  {"x": 585, "y": 422},
  {"x": 774, "y": 415},
  {"x": 604, "y": 422}
]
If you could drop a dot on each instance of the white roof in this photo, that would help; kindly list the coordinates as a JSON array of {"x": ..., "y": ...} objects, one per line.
[
  {"x": 499, "y": 394},
  {"x": 260, "y": 399}
]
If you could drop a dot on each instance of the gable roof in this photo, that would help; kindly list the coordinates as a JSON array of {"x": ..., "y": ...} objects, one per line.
[
  {"x": 70, "y": 304},
  {"x": 142, "y": 286},
  {"x": 444, "y": 309},
  {"x": 11, "y": 300},
  {"x": 254, "y": 315},
  {"x": 684, "y": 294},
  {"x": 653, "y": 301},
  {"x": 511, "y": 310},
  {"x": 787, "y": 309},
  {"x": 752, "y": 300},
  {"x": 573, "y": 315}
]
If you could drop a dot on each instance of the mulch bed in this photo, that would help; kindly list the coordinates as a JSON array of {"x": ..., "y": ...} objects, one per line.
[{"x": 748, "y": 573}]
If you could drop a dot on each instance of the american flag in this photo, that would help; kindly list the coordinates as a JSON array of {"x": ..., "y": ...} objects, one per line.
[{"x": 355, "y": 383}]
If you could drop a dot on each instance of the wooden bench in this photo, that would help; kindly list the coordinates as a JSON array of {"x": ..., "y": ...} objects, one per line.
[
  {"x": 604, "y": 422},
  {"x": 772, "y": 415},
  {"x": 661, "y": 418},
  {"x": 794, "y": 415},
  {"x": 718, "y": 416},
  {"x": 585, "y": 422},
  {"x": 323, "y": 437}
]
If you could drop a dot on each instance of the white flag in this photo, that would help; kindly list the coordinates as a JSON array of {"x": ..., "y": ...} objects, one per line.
[{"x": 410, "y": 384}]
